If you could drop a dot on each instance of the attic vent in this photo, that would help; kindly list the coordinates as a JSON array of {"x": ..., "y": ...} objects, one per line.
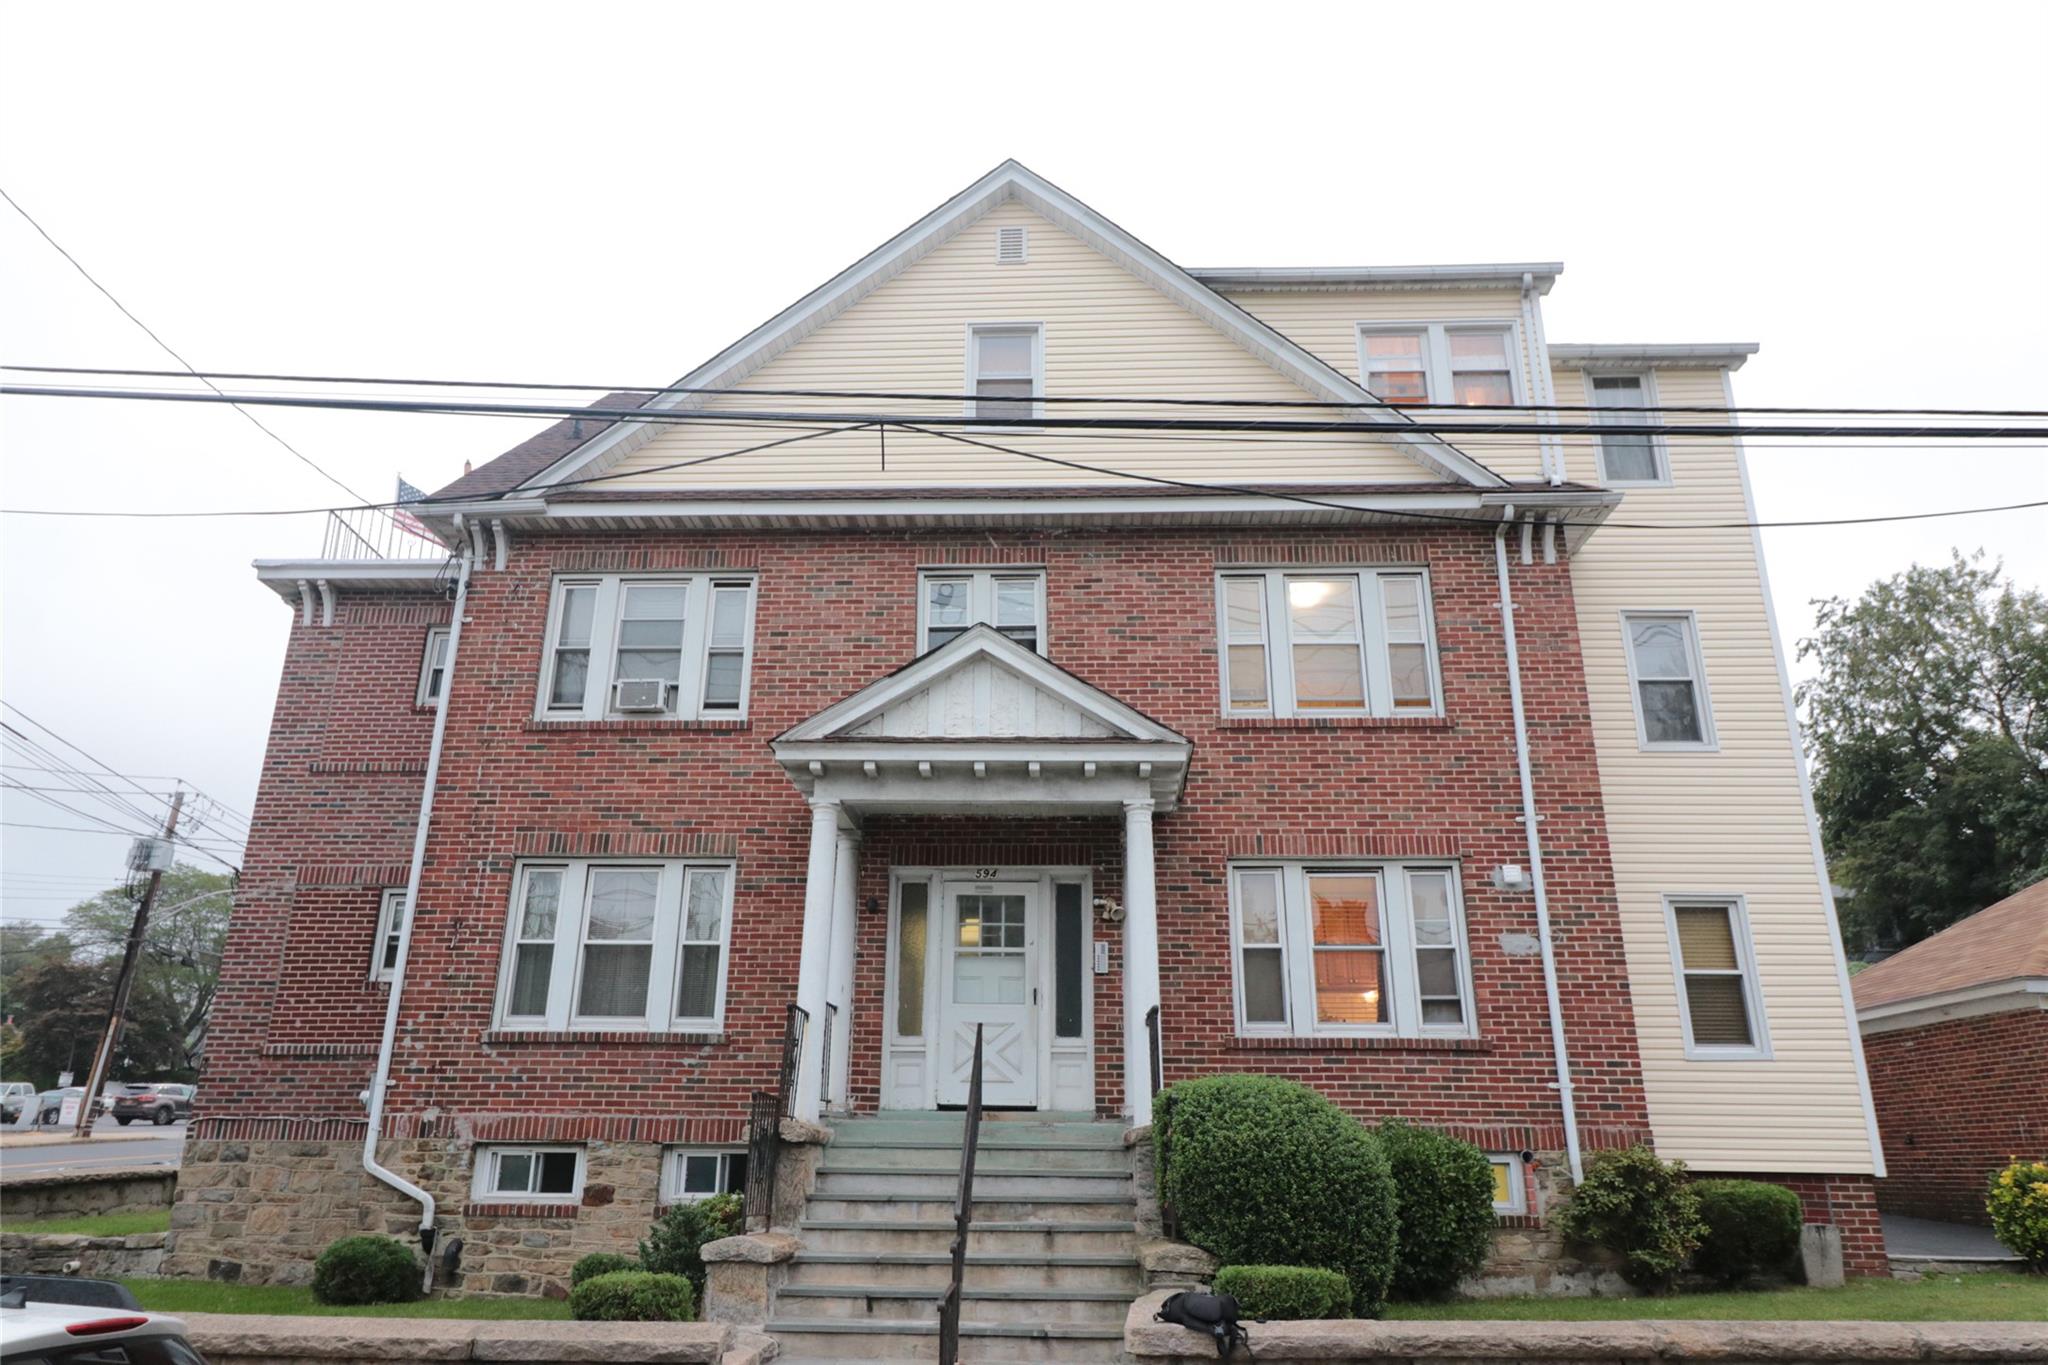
[{"x": 1010, "y": 243}]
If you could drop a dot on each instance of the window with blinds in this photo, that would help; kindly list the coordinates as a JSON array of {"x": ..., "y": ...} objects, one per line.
[{"x": 1710, "y": 940}]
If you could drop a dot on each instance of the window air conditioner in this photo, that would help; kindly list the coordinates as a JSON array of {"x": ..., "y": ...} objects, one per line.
[{"x": 640, "y": 694}]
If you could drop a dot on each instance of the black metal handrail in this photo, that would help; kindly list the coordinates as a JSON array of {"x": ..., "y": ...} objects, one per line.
[
  {"x": 963, "y": 1214},
  {"x": 1158, "y": 1058},
  {"x": 765, "y": 1113}
]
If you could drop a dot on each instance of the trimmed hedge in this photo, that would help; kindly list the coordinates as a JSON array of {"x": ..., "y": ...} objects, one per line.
[
  {"x": 675, "y": 1244},
  {"x": 633, "y": 1296},
  {"x": 1750, "y": 1228},
  {"x": 1285, "y": 1292},
  {"x": 366, "y": 1269},
  {"x": 1641, "y": 1208},
  {"x": 1262, "y": 1171},
  {"x": 1443, "y": 1191},
  {"x": 600, "y": 1263},
  {"x": 2017, "y": 1200}
]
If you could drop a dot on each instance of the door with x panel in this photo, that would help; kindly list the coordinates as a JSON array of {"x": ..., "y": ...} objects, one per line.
[{"x": 990, "y": 977}]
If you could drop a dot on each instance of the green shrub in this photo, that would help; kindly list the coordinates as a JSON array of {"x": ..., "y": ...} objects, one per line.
[
  {"x": 366, "y": 1270},
  {"x": 1262, "y": 1171},
  {"x": 1641, "y": 1208},
  {"x": 1443, "y": 1192},
  {"x": 633, "y": 1296},
  {"x": 1749, "y": 1228},
  {"x": 600, "y": 1263},
  {"x": 675, "y": 1244},
  {"x": 2018, "y": 1204},
  {"x": 1285, "y": 1292}
]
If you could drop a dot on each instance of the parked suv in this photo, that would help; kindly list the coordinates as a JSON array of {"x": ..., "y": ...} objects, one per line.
[
  {"x": 14, "y": 1096},
  {"x": 158, "y": 1101},
  {"x": 56, "y": 1320}
]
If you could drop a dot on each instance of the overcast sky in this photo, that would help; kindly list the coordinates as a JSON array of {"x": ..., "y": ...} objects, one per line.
[{"x": 610, "y": 193}]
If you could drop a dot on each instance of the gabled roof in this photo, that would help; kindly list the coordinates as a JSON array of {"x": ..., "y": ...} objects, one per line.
[
  {"x": 1013, "y": 183},
  {"x": 2005, "y": 942}
]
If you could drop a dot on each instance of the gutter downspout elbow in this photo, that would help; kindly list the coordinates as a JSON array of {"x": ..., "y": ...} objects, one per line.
[
  {"x": 1566, "y": 1099},
  {"x": 382, "y": 1080}
]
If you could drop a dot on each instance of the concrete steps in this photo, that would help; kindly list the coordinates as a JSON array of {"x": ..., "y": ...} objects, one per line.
[{"x": 1051, "y": 1264}]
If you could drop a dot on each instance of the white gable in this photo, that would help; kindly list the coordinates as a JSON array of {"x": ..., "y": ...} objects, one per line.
[{"x": 982, "y": 700}]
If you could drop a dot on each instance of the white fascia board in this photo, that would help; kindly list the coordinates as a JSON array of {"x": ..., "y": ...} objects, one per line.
[
  {"x": 1499, "y": 275},
  {"x": 1007, "y": 182},
  {"x": 1675, "y": 356},
  {"x": 1994, "y": 997},
  {"x": 834, "y": 753},
  {"x": 283, "y": 576}
]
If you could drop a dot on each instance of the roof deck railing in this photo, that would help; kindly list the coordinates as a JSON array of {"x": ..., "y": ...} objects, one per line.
[{"x": 378, "y": 533}]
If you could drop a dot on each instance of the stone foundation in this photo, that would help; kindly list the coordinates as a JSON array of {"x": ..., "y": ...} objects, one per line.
[
  {"x": 99, "y": 1258},
  {"x": 86, "y": 1193}
]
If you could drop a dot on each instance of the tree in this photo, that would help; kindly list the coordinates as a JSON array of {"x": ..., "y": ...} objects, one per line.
[
  {"x": 180, "y": 965},
  {"x": 1928, "y": 725}
]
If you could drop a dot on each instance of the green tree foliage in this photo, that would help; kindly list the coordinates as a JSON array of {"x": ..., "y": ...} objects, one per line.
[{"x": 1928, "y": 723}]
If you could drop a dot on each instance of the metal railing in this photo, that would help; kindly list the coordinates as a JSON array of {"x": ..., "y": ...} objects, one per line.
[
  {"x": 765, "y": 1113},
  {"x": 963, "y": 1214},
  {"x": 1158, "y": 1058},
  {"x": 377, "y": 533}
]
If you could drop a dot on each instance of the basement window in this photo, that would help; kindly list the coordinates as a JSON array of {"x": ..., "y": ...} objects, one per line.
[
  {"x": 528, "y": 1175},
  {"x": 1510, "y": 1183},
  {"x": 692, "y": 1173}
]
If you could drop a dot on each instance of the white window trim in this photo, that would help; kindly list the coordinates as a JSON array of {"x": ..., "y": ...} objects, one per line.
[
  {"x": 1379, "y": 685},
  {"x": 1737, "y": 906},
  {"x": 597, "y": 690},
  {"x": 481, "y": 1190},
  {"x": 672, "y": 1158},
  {"x": 973, "y": 370},
  {"x": 981, "y": 596},
  {"x": 1398, "y": 945},
  {"x": 565, "y": 972},
  {"x": 1436, "y": 354},
  {"x": 435, "y": 635},
  {"x": 1518, "y": 1184},
  {"x": 1651, "y": 417},
  {"x": 390, "y": 905},
  {"x": 1710, "y": 739}
]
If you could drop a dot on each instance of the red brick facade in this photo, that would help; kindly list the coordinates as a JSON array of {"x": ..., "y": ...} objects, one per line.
[{"x": 1956, "y": 1101}]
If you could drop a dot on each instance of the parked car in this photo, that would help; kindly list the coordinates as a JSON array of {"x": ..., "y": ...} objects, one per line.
[
  {"x": 50, "y": 1104},
  {"x": 14, "y": 1095},
  {"x": 52, "y": 1320},
  {"x": 160, "y": 1102}
]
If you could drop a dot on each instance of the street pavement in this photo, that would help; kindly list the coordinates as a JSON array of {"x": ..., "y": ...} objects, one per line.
[{"x": 101, "y": 1152}]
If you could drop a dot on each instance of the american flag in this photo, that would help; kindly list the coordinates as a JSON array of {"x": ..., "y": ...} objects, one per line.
[{"x": 407, "y": 522}]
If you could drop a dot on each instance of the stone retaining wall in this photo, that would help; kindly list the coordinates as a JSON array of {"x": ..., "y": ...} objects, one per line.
[
  {"x": 226, "y": 1339},
  {"x": 93, "y": 1257},
  {"x": 80, "y": 1193}
]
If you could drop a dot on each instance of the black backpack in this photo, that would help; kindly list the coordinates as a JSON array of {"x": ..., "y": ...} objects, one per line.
[{"x": 1215, "y": 1314}]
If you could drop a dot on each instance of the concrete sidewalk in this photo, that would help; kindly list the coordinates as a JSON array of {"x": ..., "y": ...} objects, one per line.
[{"x": 1924, "y": 1238}]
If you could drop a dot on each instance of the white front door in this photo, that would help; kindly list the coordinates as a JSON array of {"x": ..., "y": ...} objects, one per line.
[{"x": 989, "y": 975}]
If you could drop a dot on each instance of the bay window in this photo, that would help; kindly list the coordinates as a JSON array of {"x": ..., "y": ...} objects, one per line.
[
  {"x": 1327, "y": 642},
  {"x": 1323, "y": 950},
  {"x": 653, "y": 646}
]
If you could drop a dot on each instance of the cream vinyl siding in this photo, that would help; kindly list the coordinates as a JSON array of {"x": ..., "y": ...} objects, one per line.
[
  {"x": 1105, "y": 333},
  {"x": 1325, "y": 323},
  {"x": 1729, "y": 822}
]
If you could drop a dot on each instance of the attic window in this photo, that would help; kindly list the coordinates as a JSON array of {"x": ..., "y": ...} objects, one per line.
[{"x": 1010, "y": 244}]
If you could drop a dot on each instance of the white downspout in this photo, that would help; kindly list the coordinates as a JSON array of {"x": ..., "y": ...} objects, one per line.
[
  {"x": 382, "y": 1080},
  {"x": 1543, "y": 390},
  {"x": 1564, "y": 1067}
]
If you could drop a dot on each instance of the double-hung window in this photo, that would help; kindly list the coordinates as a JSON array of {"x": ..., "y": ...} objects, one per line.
[
  {"x": 949, "y": 601},
  {"x": 1333, "y": 949},
  {"x": 1720, "y": 1003},
  {"x": 626, "y": 946},
  {"x": 1669, "y": 683},
  {"x": 1440, "y": 363},
  {"x": 433, "y": 667},
  {"x": 390, "y": 929},
  {"x": 528, "y": 1175},
  {"x": 1005, "y": 370},
  {"x": 1625, "y": 400},
  {"x": 1327, "y": 642},
  {"x": 692, "y": 1173},
  {"x": 655, "y": 646}
]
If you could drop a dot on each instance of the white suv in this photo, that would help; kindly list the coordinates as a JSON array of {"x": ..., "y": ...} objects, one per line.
[
  {"x": 67, "y": 1334},
  {"x": 14, "y": 1095}
]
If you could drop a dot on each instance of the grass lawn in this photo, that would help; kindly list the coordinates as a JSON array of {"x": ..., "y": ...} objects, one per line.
[
  {"x": 96, "y": 1225},
  {"x": 208, "y": 1296},
  {"x": 1944, "y": 1298}
]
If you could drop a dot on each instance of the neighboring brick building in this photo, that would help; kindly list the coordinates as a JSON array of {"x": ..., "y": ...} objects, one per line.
[
  {"x": 1956, "y": 1032},
  {"x": 896, "y": 724}
]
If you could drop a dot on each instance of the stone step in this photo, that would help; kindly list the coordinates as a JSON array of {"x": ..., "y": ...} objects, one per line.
[
  {"x": 924, "y": 1208},
  {"x": 878, "y": 1339},
  {"x": 1093, "y": 1307},
  {"x": 863, "y": 1180},
  {"x": 984, "y": 1270},
  {"x": 989, "y": 1158},
  {"x": 861, "y": 1133},
  {"x": 1103, "y": 1237}
]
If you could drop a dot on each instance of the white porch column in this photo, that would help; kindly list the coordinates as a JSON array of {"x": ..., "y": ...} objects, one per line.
[
  {"x": 814, "y": 964},
  {"x": 1141, "y": 958},
  {"x": 839, "y": 979}
]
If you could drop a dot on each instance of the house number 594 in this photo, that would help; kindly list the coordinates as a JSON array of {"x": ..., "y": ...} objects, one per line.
[{"x": 986, "y": 874}]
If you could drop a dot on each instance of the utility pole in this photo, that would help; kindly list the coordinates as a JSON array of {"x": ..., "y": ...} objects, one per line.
[{"x": 125, "y": 982}]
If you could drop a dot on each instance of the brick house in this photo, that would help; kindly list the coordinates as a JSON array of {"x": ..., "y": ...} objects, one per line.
[
  {"x": 1956, "y": 1032},
  {"x": 1153, "y": 750}
]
